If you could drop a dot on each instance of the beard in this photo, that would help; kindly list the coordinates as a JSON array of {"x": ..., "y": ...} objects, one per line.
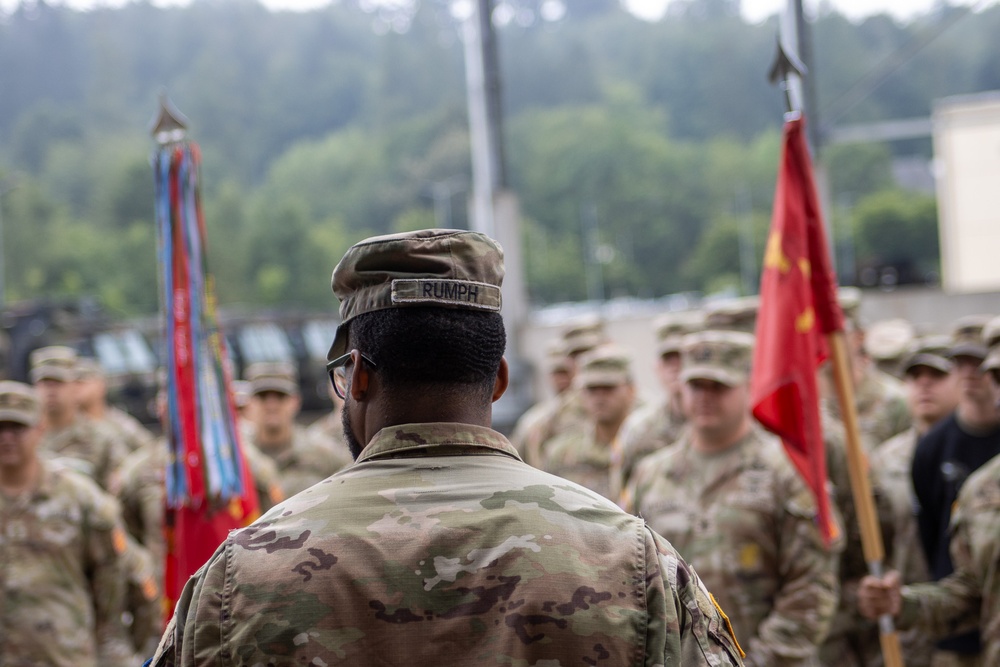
[{"x": 353, "y": 445}]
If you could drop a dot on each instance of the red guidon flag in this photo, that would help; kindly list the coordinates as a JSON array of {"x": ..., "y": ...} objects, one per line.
[{"x": 798, "y": 307}]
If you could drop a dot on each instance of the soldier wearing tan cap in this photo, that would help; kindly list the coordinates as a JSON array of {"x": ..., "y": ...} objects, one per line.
[
  {"x": 728, "y": 498},
  {"x": 879, "y": 397},
  {"x": 945, "y": 457},
  {"x": 608, "y": 391},
  {"x": 439, "y": 546},
  {"x": 932, "y": 394},
  {"x": 887, "y": 342},
  {"x": 652, "y": 427},
  {"x": 61, "y": 549},
  {"x": 92, "y": 396},
  {"x": 274, "y": 394},
  {"x": 566, "y": 413},
  {"x": 68, "y": 434},
  {"x": 560, "y": 370}
]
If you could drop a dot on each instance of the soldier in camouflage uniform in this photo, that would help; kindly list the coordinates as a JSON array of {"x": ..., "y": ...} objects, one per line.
[
  {"x": 565, "y": 412},
  {"x": 92, "y": 397},
  {"x": 67, "y": 434},
  {"x": 608, "y": 395},
  {"x": 970, "y": 596},
  {"x": 880, "y": 398},
  {"x": 932, "y": 394},
  {"x": 888, "y": 343},
  {"x": 439, "y": 546},
  {"x": 652, "y": 427},
  {"x": 560, "y": 369},
  {"x": 61, "y": 544},
  {"x": 274, "y": 395},
  {"x": 728, "y": 498}
]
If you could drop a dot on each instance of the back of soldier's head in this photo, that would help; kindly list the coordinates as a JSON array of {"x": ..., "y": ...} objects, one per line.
[{"x": 425, "y": 308}]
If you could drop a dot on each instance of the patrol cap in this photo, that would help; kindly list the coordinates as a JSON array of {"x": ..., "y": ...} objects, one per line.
[
  {"x": 991, "y": 364},
  {"x": 720, "y": 356},
  {"x": 272, "y": 376},
  {"x": 18, "y": 403},
  {"x": 888, "y": 340},
  {"x": 849, "y": 299},
  {"x": 605, "y": 366},
  {"x": 672, "y": 327},
  {"x": 733, "y": 314},
  {"x": 56, "y": 362},
  {"x": 991, "y": 333},
  {"x": 967, "y": 337},
  {"x": 444, "y": 268},
  {"x": 556, "y": 358},
  {"x": 929, "y": 351},
  {"x": 583, "y": 336},
  {"x": 88, "y": 367}
]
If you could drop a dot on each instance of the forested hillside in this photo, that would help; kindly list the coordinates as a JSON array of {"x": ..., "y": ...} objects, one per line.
[{"x": 319, "y": 128}]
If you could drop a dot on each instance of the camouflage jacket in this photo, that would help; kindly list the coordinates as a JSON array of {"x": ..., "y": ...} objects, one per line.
[
  {"x": 580, "y": 458},
  {"x": 62, "y": 575},
  {"x": 87, "y": 446},
  {"x": 328, "y": 432},
  {"x": 882, "y": 408},
  {"x": 647, "y": 430},
  {"x": 301, "y": 462},
  {"x": 131, "y": 432},
  {"x": 564, "y": 414},
  {"x": 746, "y": 521},
  {"x": 971, "y": 594},
  {"x": 141, "y": 491},
  {"x": 440, "y": 547}
]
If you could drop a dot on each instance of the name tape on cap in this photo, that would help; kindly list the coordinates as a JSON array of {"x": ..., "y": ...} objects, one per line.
[{"x": 463, "y": 293}]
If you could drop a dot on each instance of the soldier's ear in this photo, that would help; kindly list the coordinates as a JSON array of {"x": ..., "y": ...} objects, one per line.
[
  {"x": 359, "y": 376},
  {"x": 501, "y": 381}
]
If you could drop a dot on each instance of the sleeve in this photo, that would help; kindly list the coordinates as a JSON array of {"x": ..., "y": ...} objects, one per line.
[
  {"x": 686, "y": 625},
  {"x": 194, "y": 634},
  {"x": 951, "y": 605},
  {"x": 805, "y": 603},
  {"x": 106, "y": 544}
]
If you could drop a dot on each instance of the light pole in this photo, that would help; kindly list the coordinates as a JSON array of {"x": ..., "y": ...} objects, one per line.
[{"x": 5, "y": 187}]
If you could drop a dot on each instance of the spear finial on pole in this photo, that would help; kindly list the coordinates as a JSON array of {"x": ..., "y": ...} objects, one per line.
[
  {"x": 170, "y": 125},
  {"x": 788, "y": 70}
]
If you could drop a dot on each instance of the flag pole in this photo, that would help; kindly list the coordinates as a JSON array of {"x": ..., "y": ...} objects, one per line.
[{"x": 788, "y": 70}]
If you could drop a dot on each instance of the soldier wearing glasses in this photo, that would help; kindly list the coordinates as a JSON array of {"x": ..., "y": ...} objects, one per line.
[{"x": 439, "y": 546}]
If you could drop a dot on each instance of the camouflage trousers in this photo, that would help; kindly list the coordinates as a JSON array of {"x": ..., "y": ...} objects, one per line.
[{"x": 950, "y": 659}]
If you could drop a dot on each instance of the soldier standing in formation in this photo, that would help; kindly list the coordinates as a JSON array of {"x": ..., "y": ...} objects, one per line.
[
  {"x": 61, "y": 544},
  {"x": 728, "y": 498},
  {"x": 92, "y": 400},
  {"x": 650, "y": 428},
  {"x": 439, "y": 546},
  {"x": 608, "y": 396},
  {"x": 68, "y": 434},
  {"x": 969, "y": 597},
  {"x": 274, "y": 395},
  {"x": 932, "y": 394}
]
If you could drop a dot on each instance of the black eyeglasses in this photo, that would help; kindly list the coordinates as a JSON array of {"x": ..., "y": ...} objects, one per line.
[{"x": 338, "y": 372}]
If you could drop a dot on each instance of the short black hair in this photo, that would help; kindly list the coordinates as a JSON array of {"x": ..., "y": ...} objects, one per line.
[{"x": 420, "y": 346}]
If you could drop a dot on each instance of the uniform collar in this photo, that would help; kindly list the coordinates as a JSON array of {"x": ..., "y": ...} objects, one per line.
[{"x": 409, "y": 438}]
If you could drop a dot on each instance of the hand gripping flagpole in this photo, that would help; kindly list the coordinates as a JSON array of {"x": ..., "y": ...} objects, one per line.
[{"x": 788, "y": 70}]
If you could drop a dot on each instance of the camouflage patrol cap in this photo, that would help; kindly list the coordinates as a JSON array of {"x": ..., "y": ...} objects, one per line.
[
  {"x": 929, "y": 351},
  {"x": 556, "y": 357},
  {"x": 672, "y": 327},
  {"x": 733, "y": 314},
  {"x": 888, "y": 340},
  {"x": 605, "y": 366},
  {"x": 88, "y": 367},
  {"x": 720, "y": 356},
  {"x": 443, "y": 268},
  {"x": 849, "y": 299},
  {"x": 967, "y": 337},
  {"x": 583, "y": 336},
  {"x": 18, "y": 403},
  {"x": 992, "y": 364},
  {"x": 56, "y": 362},
  {"x": 991, "y": 333},
  {"x": 272, "y": 376}
]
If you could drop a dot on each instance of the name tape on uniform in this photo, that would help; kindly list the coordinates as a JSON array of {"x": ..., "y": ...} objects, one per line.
[{"x": 465, "y": 293}]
